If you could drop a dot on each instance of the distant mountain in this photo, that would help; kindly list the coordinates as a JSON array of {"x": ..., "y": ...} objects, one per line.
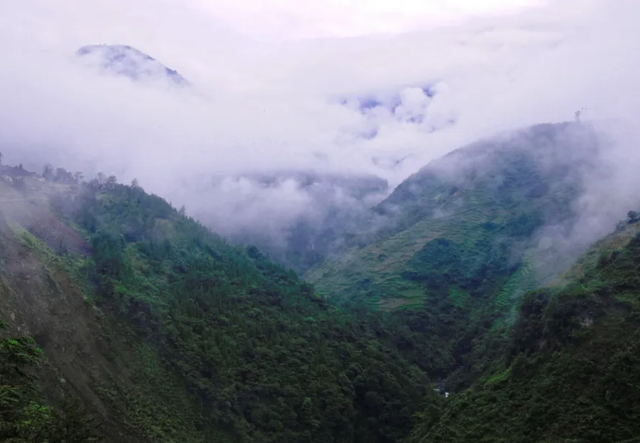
[
  {"x": 329, "y": 209},
  {"x": 503, "y": 187},
  {"x": 459, "y": 242},
  {"x": 128, "y": 62},
  {"x": 355, "y": 185}
]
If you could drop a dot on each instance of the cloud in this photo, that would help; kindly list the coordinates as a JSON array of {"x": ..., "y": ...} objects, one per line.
[
  {"x": 281, "y": 86},
  {"x": 287, "y": 19}
]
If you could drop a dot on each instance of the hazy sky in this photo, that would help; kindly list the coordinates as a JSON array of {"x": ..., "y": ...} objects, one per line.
[
  {"x": 281, "y": 83},
  {"x": 291, "y": 19}
]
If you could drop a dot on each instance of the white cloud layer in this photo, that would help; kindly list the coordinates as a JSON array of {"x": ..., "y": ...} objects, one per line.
[
  {"x": 284, "y": 84},
  {"x": 291, "y": 19}
]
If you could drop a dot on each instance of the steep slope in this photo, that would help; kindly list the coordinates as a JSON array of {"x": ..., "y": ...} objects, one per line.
[
  {"x": 23, "y": 414},
  {"x": 494, "y": 193},
  {"x": 165, "y": 332},
  {"x": 90, "y": 354},
  {"x": 571, "y": 370},
  {"x": 460, "y": 238}
]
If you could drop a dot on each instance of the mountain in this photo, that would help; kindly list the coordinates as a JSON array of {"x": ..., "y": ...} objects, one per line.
[
  {"x": 159, "y": 330},
  {"x": 570, "y": 371},
  {"x": 318, "y": 212},
  {"x": 468, "y": 305},
  {"x": 459, "y": 242},
  {"x": 498, "y": 191},
  {"x": 126, "y": 61}
]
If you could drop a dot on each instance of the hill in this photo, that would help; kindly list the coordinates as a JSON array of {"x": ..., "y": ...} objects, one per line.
[
  {"x": 570, "y": 370},
  {"x": 460, "y": 240},
  {"x": 163, "y": 332}
]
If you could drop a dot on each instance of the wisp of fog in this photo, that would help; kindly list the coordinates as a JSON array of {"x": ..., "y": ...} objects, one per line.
[{"x": 332, "y": 97}]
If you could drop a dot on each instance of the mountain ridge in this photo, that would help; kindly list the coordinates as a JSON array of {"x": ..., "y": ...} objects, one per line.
[
  {"x": 462, "y": 241},
  {"x": 129, "y": 62},
  {"x": 432, "y": 202}
]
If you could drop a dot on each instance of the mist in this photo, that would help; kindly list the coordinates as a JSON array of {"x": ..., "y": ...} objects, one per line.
[{"x": 353, "y": 102}]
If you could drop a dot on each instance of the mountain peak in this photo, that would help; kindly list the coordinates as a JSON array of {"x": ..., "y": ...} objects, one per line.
[{"x": 127, "y": 61}]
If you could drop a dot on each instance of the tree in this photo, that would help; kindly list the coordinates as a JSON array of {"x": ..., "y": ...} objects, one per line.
[
  {"x": 98, "y": 183},
  {"x": 72, "y": 424},
  {"x": 111, "y": 183},
  {"x": 633, "y": 216},
  {"x": 47, "y": 172},
  {"x": 63, "y": 176}
]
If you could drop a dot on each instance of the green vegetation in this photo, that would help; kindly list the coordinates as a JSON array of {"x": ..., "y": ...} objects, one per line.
[
  {"x": 23, "y": 415},
  {"x": 262, "y": 357},
  {"x": 167, "y": 333},
  {"x": 456, "y": 253},
  {"x": 571, "y": 372}
]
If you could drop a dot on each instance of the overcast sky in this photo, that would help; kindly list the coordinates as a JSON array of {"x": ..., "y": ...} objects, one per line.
[
  {"x": 291, "y": 19},
  {"x": 279, "y": 83}
]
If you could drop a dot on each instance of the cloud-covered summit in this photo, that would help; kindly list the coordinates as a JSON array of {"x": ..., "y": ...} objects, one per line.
[
  {"x": 384, "y": 105},
  {"x": 129, "y": 62}
]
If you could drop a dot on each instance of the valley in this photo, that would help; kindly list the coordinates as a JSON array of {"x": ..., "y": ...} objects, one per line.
[{"x": 126, "y": 320}]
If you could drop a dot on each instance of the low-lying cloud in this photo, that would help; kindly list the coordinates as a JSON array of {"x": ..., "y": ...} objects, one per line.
[{"x": 383, "y": 105}]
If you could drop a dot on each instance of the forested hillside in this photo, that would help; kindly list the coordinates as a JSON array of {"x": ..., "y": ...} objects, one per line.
[
  {"x": 168, "y": 333},
  {"x": 461, "y": 242},
  {"x": 571, "y": 370}
]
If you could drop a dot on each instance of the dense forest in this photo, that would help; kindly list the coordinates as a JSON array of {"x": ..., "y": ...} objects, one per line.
[
  {"x": 260, "y": 356},
  {"x": 125, "y": 320},
  {"x": 570, "y": 372},
  {"x": 461, "y": 244}
]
